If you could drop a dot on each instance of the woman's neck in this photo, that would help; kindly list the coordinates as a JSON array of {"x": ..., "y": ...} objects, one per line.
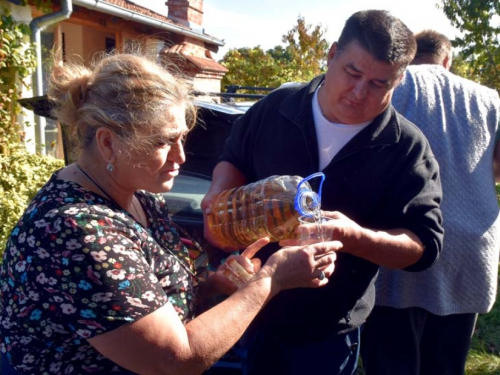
[{"x": 107, "y": 185}]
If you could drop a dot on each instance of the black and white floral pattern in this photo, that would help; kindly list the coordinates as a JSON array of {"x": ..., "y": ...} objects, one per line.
[{"x": 76, "y": 266}]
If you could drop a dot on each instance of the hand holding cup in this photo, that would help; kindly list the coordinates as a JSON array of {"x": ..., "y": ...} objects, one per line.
[{"x": 314, "y": 229}]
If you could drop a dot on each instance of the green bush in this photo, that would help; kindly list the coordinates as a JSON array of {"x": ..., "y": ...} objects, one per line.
[{"x": 21, "y": 175}]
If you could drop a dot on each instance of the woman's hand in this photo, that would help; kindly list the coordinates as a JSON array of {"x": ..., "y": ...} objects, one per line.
[
  {"x": 238, "y": 269},
  {"x": 302, "y": 266}
]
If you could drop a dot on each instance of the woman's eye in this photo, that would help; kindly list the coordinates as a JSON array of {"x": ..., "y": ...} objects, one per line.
[
  {"x": 162, "y": 143},
  {"x": 173, "y": 141}
]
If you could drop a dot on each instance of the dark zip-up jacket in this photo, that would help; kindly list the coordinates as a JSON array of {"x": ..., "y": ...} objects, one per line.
[{"x": 385, "y": 178}]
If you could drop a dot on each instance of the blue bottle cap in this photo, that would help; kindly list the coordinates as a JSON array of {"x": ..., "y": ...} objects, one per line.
[{"x": 307, "y": 202}]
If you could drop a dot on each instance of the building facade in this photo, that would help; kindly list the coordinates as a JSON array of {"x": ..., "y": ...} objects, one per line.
[{"x": 82, "y": 29}]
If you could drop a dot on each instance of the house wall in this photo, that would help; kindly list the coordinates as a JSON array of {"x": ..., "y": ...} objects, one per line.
[
  {"x": 93, "y": 41},
  {"x": 81, "y": 43},
  {"x": 206, "y": 84},
  {"x": 86, "y": 30},
  {"x": 73, "y": 40},
  {"x": 85, "y": 33}
]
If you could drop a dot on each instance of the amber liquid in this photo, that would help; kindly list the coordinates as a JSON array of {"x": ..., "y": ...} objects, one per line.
[{"x": 264, "y": 209}]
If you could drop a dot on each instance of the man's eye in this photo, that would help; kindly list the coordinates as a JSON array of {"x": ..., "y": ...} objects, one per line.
[{"x": 379, "y": 85}]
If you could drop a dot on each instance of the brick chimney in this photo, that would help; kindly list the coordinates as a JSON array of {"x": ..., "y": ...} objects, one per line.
[{"x": 186, "y": 12}]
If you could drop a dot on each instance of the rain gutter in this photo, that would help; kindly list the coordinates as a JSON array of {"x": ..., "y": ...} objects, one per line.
[
  {"x": 36, "y": 26},
  {"x": 131, "y": 15}
]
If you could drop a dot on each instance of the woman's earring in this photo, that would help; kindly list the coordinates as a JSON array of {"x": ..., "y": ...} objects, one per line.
[{"x": 110, "y": 168}]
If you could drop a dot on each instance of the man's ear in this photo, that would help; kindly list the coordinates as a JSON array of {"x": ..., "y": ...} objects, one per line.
[
  {"x": 400, "y": 78},
  {"x": 107, "y": 144},
  {"x": 447, "y": 62},
  {"x": 331, "y": 53}
]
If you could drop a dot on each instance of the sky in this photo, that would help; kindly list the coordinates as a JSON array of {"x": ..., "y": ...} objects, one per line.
[{"x": 262, "y": 23}]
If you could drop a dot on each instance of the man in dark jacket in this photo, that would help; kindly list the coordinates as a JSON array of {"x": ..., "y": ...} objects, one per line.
[{"x": 382, "y": 188}]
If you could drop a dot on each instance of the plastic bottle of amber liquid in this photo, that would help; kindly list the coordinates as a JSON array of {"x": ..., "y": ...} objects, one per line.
[{"x": 266, "y": 208}]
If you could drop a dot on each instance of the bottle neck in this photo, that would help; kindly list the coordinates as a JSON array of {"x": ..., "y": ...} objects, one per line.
[{"x": 307, "y": 203}]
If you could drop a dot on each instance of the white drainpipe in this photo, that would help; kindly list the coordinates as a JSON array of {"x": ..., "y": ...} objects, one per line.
[{"x": 36, "y": 26}]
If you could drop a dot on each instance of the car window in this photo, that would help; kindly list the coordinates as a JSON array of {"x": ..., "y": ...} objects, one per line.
[
  {"x": 205, "y": 143},
  {"x": 185, "y": 197}
]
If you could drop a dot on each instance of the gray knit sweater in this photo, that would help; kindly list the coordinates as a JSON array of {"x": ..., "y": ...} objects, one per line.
[{"x": 460, "y": 119}]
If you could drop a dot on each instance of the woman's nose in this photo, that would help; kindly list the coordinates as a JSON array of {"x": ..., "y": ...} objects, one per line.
[{"x": 177, "y": 153}]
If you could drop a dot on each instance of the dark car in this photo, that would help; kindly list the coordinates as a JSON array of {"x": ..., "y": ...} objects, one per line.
[{"x": 206, "y": 141}]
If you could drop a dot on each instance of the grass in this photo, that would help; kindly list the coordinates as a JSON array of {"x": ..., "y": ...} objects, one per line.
[{"x": 484, "y": 355}]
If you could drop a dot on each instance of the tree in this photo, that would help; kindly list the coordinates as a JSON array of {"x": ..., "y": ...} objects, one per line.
[
  {"x": 307, "y": 48},
  {"x": 462, "y": 67},
  {"x": 300, "y": 60},
  {"x": 251, "y": 67},
  {"x": 479, "y": 44}
]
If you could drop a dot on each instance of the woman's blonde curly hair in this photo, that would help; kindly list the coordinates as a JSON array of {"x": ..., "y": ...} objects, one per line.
[{"x": 126, "y": 93}]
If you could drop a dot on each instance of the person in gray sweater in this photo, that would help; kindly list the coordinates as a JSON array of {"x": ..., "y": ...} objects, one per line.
[{"x": 423, "y": 322}]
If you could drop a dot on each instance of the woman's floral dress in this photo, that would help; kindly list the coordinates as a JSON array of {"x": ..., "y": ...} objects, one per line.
[{"x": 76, "y": 266}]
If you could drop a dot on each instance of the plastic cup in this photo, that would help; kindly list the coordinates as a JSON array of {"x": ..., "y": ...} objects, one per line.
[{"x": 313, "y": 230}]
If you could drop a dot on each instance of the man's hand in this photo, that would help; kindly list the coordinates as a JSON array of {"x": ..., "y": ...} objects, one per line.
[{"x": 225, "y": 176}]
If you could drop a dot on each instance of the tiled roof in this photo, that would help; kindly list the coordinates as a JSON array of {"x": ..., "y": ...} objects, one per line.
[
  {"x": 196, "y": 56},
  {"x": 202, "y": 63},
  {"x": 206, "y": 64},
  {"x": 148, "y": 12},
  {"x": 144, "y": 11}
]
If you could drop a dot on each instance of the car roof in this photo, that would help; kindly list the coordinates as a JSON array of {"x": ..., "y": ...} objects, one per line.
[
  {"x": 204, "y": 144},
  {"x": 231, "y": 108}
]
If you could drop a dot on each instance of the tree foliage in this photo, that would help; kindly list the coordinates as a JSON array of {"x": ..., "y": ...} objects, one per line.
[
  {"x": 463, "y": 68},
  {"x": 17, "y": 62},
  {"x": 21, "y": 174},
  {"x": 301, "y": 58},
  {"x": 251, "y": 67},
  {"x": 478, "y": 22},
  {"x": 307, "y": 49}
]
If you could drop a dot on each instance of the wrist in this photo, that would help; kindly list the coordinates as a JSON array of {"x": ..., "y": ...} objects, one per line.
[
  {"x": 357, "y": 241},
  {"x": 268, "y": 273}
]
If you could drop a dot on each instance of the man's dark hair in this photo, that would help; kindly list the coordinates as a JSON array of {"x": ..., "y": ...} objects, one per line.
[
  {"x": 432, "y": 47},
  {"x": 384, "y": 36}
]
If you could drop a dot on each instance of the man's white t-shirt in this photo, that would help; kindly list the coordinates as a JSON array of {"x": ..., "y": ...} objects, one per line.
[{"x": 331, "y": 136}]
